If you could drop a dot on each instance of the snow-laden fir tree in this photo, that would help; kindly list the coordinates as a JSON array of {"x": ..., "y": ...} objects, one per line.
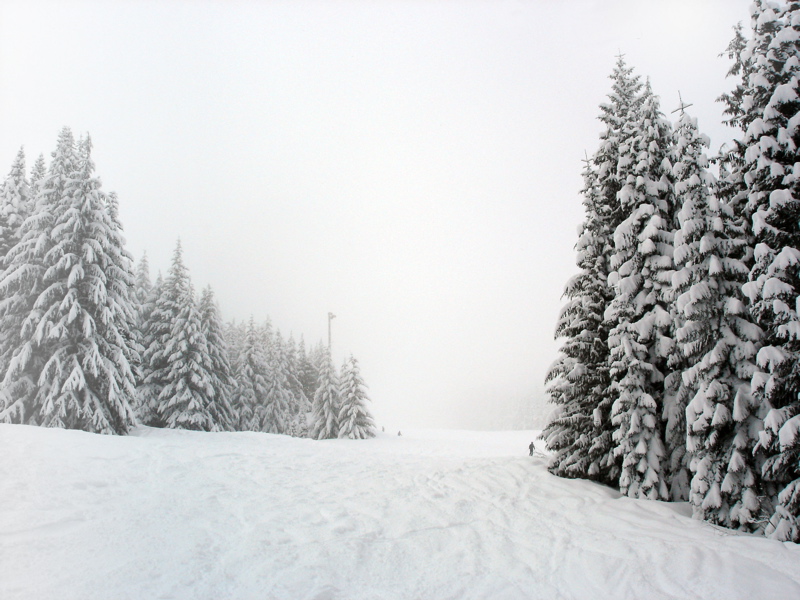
[
  {"x": 277, "y": 406},
  {"x": 147, "y": 327},
  {"x": 620, "y": 116},
  {"x": 717, "y": 338},
  {"x": 187, "y": 398},
  {"x": 133, "y": 343},
  {"x": 300, "y": 406},
  {"x": 326, "y": 404},
  {"x": 144, "y": 303},
  {"x": 234, "y": 337},
  {"x": 142, "y": 285},
  {"x": 308, "y": 372},
  {"x": 355, "y": 420},
  {"x": 38, "y": 174},
  {"x": 157, "y": 334},
  {"x": 21, "y": 285},
  {"x": 772, "y": 98},
  {"x": 579, "y": 378},
  {"x": 640, "y": 341},
  {"x": 251, "y": 380},
  {"x": 222, "y": 380},
  {"x": 15, "y": 205},
  {"x": 76, "y": 326}
]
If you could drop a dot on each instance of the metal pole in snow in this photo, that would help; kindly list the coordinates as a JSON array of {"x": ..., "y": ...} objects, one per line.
[{"x": 331, "y": 316}]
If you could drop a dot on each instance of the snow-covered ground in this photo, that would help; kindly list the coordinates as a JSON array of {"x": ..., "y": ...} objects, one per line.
[{"x": 429, "y": 515}]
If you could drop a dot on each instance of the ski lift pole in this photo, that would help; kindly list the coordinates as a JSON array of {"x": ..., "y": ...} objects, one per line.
[{"x": 331, "y": 316}]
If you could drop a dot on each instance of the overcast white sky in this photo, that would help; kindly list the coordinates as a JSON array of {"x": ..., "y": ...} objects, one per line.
[{"x": 413, "y": 167}]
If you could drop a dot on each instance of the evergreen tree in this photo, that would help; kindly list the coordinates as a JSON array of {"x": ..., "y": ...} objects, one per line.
[
  {"x": 222, "y": 380},
  {"x": 187, "y": 398},
  {"x": 157, "y": 334},
  {"x": 21, "y": 285},
  {"x": 277, "y": 404},
  {"x": 38, "y": 175},
  {"x": 75, "y": 327},
  {"x": 771, "y": 97},
  {"x": 300, "y": 406},
  {"x": 235, "y": 334},
  {"x": 619, "y": 116},
  {"x": 149, "y": 325},
  {"x": 15, "y": 203},
  {"x": 326, "y": 404},
  {"x": 579, "y": 379},
  {"x": 307, "y": 369},
  {"x": 717, "y": 338},
  {"x": 15, "y": 206},
  {"x": 143, "y": 285},
  {"x": 251, "y": 382},
  {"x": 355, "y": 421},
  {"x": 640, "y": 341}
]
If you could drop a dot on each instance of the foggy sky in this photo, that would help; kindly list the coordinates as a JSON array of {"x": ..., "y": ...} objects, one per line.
[{"x": 413, "y": 167}]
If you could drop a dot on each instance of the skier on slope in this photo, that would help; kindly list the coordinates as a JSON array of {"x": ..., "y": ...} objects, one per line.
[{"x": 530, "y": 449}]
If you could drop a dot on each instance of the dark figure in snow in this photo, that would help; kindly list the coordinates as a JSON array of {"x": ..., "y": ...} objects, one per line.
[
  {"x": 531, "y": 449},
  {"x": 398, "y": 433}
]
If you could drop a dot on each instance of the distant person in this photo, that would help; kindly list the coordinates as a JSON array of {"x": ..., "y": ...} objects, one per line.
[
  {"x": 398, "y": 433},
  {"x": 530, "y": 448},
  {"x": 383, "y": 429}
]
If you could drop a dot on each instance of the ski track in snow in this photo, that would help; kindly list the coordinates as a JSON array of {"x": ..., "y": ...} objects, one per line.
[{"x": 429, "y": 515}]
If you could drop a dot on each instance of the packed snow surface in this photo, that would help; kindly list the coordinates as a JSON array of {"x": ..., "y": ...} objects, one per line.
[{"x": 428, "y": 515}]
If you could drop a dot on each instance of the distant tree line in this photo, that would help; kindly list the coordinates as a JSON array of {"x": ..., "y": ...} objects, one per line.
[
  {"x": 679, "y": 374},
  {"x": 88, "y": 342}
]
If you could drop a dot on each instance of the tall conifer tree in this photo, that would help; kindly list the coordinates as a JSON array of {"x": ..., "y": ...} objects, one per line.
[
  {"x": 355, "y": 420},
  {"x": 772, "y": 99},
  {"x": 717, "y": 338},
  {"x": 77, "y": 323},
  {"x": 326, "y": 405},
  {"x": 251, "y": 389},
  {"x": 222, "y": 380},
  {"x": 640, "y": 341}
]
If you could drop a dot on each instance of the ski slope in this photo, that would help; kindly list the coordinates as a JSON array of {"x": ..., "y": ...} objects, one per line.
[{"x": 429, "y": 515}]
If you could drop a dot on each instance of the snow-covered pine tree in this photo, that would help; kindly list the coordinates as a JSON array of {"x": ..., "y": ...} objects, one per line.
[
  {"x": 15, "y": 205},
  {"x": 619, "y": 116},
  {"x": 278, "y": 403},
  {"x": 308, "y": 371},
  {"x": 300, "y": 405},
  {"x": 717, "y": 338},
  {"x": 234, "y": 338},
  {"x": 125, "y": 284},
  {"x": 640, "y": 341},
  {"x": 21, "y": 285},
  {"x": 78, "y": 322},
  {"x": 579, "y": 379},
  {"x": 149, "y": 325},
  {"x": 158, "y": 330},
  {"x": 222, "y": 380},
  {"x": 142, "y": 285},
  {"x": 771, "y": 98},
  {"x": 186, "y": 400},
  {"x": 143, "y": 306},
  {"x": 355, "y": 420},
  {"x": 251, "y": 388},
  {"x": 326, "y": 404},
  {"x": 38, "y": 174}
]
